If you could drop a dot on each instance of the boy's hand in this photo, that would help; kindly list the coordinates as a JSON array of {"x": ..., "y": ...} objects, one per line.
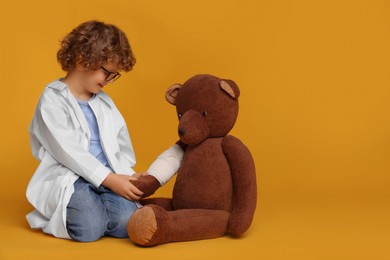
[
  {"x": 139, "y": 174},
  {"x": 121, "y": 185}
]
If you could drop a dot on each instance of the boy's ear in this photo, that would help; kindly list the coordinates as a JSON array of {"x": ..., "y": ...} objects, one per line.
[
  {"x": 171, "y": 93},
  {"x": 78, "y": 64}
]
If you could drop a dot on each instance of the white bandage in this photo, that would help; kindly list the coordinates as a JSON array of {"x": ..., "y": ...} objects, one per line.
[{"x": 167, "y": 164}]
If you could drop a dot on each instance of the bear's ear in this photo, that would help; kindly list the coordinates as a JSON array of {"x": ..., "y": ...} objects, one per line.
[
  {"x": 230, "y": 87},
  {"x": 171, "y": 93}
]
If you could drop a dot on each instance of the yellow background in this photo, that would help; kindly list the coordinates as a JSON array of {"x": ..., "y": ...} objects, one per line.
[{"x": 315, "y": 84}]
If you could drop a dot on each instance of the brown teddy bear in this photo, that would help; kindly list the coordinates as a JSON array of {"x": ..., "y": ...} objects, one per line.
[{"x": 215, "y": 190}]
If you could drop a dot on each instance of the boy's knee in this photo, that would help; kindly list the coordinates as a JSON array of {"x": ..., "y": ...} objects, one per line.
[
  {"x": 86, "y": 232},
  {"x": 86, "y": 225}
]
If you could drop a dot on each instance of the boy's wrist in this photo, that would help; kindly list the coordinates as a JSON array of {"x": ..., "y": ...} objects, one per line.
[{"x": 108, "y": 180}]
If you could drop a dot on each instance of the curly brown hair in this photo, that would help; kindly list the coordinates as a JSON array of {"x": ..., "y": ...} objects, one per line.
[{"x": 93, "y": 44}]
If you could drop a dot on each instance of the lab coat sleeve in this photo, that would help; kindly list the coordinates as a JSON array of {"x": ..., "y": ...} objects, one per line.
[
  {"x": 167, "y": 164},
  {"x": 56, "y": 135},
  {"x": 126, "y": 149}
]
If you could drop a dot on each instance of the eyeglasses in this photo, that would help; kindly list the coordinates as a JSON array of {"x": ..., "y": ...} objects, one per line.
[{"x": 111, "y": 76}]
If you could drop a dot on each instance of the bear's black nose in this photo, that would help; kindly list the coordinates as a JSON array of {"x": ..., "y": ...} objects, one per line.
[{"x": 181, "y": 131}]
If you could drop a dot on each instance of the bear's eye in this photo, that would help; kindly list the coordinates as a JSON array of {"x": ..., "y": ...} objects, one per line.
[
  {"x": 204, "y": 113},
  {"x": 179, "y": 116}
]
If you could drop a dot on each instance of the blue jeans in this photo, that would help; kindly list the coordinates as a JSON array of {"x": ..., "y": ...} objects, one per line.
[{"x": 96, "y": 212}]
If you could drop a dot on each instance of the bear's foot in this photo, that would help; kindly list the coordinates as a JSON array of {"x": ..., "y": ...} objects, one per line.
[
  {"x": 152, "y": 225},
  {"x": 142, "y": 227}
]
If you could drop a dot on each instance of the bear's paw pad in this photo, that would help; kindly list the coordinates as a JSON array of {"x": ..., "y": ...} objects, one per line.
[{"x": 142, "y": 226}]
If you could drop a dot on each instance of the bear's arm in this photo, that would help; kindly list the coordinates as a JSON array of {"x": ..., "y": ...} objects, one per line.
[
  {"x": 244, "y": 184},
  {"x": 148, "y": 184}
]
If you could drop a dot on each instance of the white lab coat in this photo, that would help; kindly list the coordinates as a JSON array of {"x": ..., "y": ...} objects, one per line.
[{"x": 59, "y": 136}]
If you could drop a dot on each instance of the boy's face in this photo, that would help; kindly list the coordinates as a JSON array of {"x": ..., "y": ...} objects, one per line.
[{"x": 93, "y": 81}]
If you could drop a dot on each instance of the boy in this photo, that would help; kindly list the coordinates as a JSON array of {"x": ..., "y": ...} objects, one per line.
[{"x": 82, "y": 188}]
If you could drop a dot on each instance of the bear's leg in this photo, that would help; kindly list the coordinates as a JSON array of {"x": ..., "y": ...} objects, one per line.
[{"x": 152, "y": 225}]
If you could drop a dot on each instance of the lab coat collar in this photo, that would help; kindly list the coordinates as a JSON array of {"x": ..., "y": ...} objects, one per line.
[
  {"x": 57, "y": 85},
  {"x": 103, "y": 96},
  {"x": 63, "y": 88}
]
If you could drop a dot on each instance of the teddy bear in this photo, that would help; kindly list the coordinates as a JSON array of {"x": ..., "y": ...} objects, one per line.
[{"x": 215, "y": 190}]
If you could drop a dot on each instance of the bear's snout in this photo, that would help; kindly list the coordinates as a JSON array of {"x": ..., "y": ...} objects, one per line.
[
  {"x": 181, "y": 131},
  {"x": 193, "y": 128}
]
